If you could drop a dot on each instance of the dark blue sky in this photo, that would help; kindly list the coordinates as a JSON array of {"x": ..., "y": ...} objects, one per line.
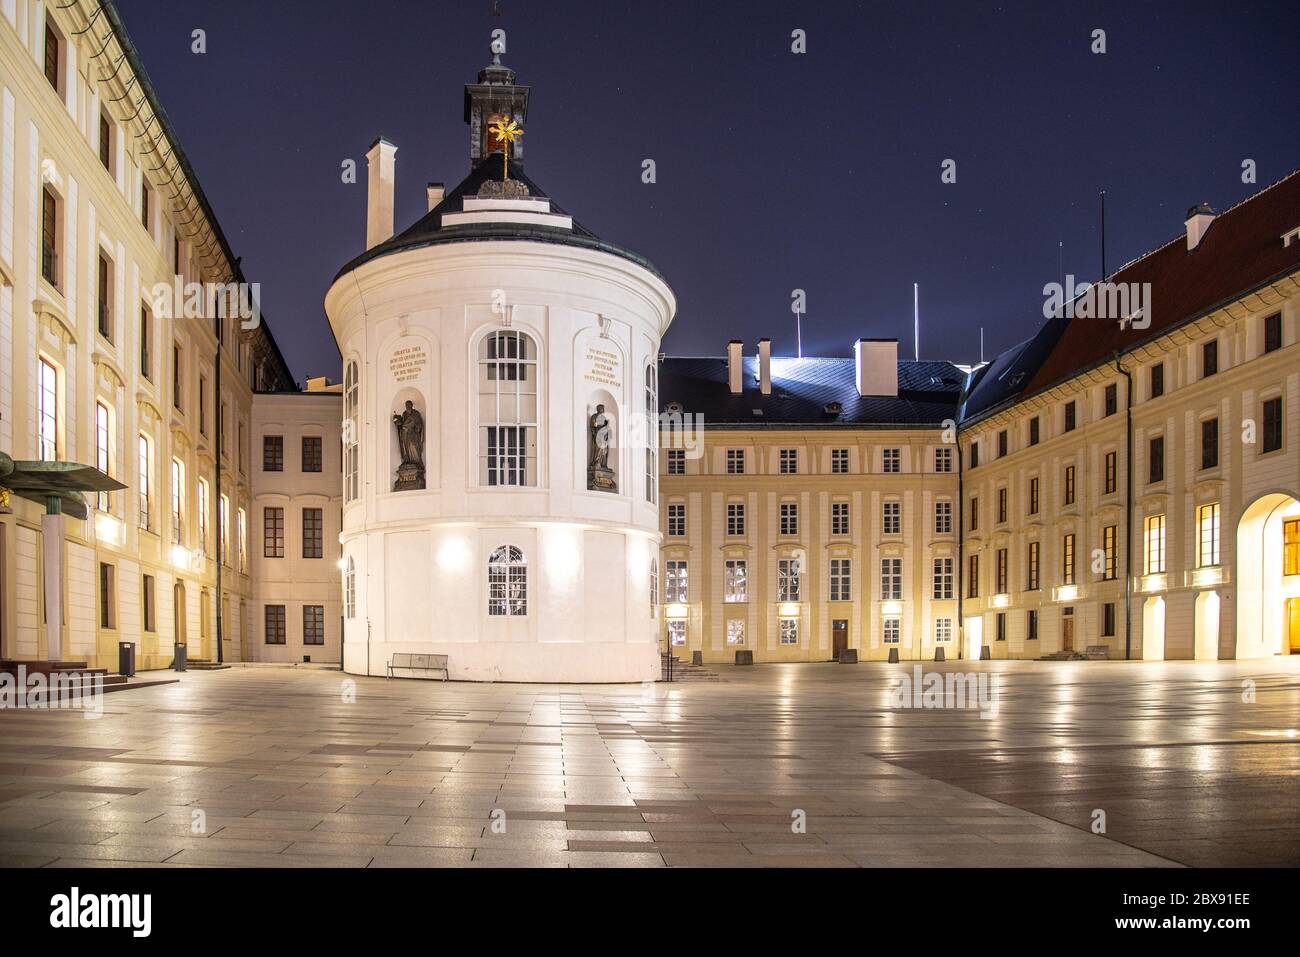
[{"x": 819, "y": 171}]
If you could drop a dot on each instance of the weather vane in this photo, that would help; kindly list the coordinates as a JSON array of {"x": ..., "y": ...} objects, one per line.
[{"x": 506, "y": 131}]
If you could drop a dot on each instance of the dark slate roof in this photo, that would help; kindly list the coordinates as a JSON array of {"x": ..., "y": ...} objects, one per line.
[
  {"x": 1241, "y": 251},
  {"x": 928, "y": 393},
  {"x": 429, "y": 231},
  {"x": 1003, "y": 379}
]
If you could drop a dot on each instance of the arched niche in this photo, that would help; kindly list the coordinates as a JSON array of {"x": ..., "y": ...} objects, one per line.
[
  {"x": 408, "y": 432},
  {"x": 601, "y": 444}
]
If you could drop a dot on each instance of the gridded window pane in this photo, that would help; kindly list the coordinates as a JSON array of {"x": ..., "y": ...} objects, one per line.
[
  {"x": 892, "y": 460},
  {"x": 47, "y": 398},
  {"x": 789, "y": 461},
  {"x": 893, "y": 518},
  {"x": 676, "y": 520},
  {"x": 507, "y": 582},
  {"x": 839, "y": 518},
  {"x": 943, "y": 569},
  {"x": 275, "y": 621},
  {"x": 507, "y": 413},
  {"x": 1155, "y": 544},
  {"x": 840, "y": 461},
  {"x": 891, "y": 579},
  {"x": 789, "y": 518},
  {"x": 273, "y": 532},
  {"x": 943, "y": 460},
  {"x": 351, "y": 404},
  {"x": 1209, "y": 443},
  {"x": 735, "y": 461},
  {"x": 350, "y": 589},
  {"x": 313, "y": 624},
  {"x": 735, "y": 518},
  {"x": 676, "y": 584},
  {"x": 677, "y": 633},
  {"x": 1031, "y": 575},
  {"x": 1272, "y": 437},
  {"x": 891, "y": 630},
  {"x": 1109, "y": 537},
  {"x": 676, "y": 461},
  {"x": 943, "y": 518},
  {"x": 273, "y": 453},
  {"x": 1067, "y": 560},
  {"x": 311, "y": 453},
  {"x": 789, "y": 631},
  {"x": 735, "y": 631},
  {"x": 1156, "y": 461},
  {"x": 841, "y": 579},
  {"x": 788, "y": 579},
  {"x": 943, "y": 629},
  {"x": 313, "y": 533},
  {"x": 737, "y": 581}
]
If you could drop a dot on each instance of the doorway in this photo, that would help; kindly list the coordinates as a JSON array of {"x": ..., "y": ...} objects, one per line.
[
  {"x": 839, "y": 637},
  {"x": 1067, "y": 629},
  {"x": 1293, "y": 624},
  {"x": 1268, "y": 575}
]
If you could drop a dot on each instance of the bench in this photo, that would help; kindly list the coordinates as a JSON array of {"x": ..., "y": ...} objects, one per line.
[
  {"x": 1097, "y": 652},
  {"x": 419, "y": 663}
]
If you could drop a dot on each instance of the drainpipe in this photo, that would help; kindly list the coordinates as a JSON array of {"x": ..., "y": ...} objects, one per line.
[{"x": 1128, "y": 508}]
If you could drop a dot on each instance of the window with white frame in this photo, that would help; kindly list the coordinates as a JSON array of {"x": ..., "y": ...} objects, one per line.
[
  {"x": 736, "y": 583},
  {"x": 47, "y": 411},
  {"x": 223, "y": 524},
  {"x": 892, "y": 523},
  {"x": 943, "y": 629},
  {"x": 891, "y": 579},
  {"x": 788, "y": 461},
  {"x": 789, "y": 518},
  {"x": 891, "y": 460},
  {"x": 676, "y": 632},
  {"x": 735, "y": 631},
  {"x": 789, "y": 631},
  {"x": 890, "y": 631},
  {"x": 839, "y": 518},
  {"x": 943, "y": 570},
  {"x": 351, "y": 432},
  {"x": 676, "y": 461},
  {"x": 1155, "y": 544},
  {"x": 203, "y": 505},
  {"x": 507, "y": 583},
  {"x": 841, "y": 579},
  {"x": 144, "y": 464},
  {"x": 735, "y": 518},
  {"x": 178, "y": 502},
  {"x": 103, "y": 445},
  {"x": 676, "y": 581},
  {"x": 654, "y": 583},
  {"x": 839, "y": 461},
  {"x": 676, "y": 520},
  {"x": 943, "y": 517},
  {"x": 350, "y": 589},
  {"x": 652, "y": 434},
  {"x": 787, "y": 579},
  {"x": 735, "y": 461},
  {"x": 943, "y": 459},
  {"x": 507, "y": 395},
  {"x": 1207, "y": 525},
  {"x": 241, "y": 538}
]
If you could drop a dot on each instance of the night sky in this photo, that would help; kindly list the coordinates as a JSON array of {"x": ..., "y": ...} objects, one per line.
[{"x": 775, "y": 171}]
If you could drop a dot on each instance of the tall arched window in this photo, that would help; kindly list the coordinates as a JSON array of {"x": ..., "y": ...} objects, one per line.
[
  {"x": 651, "y": 434},
  {"x": 507, "y": 582},
  {"x": 350, "y": 589},
  {"x": 507, "y": 409},
  {"x": 350, "y": 429}
]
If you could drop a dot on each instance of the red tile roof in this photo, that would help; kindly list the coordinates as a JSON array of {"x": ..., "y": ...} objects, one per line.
[{"x": 1241, "y": 250}]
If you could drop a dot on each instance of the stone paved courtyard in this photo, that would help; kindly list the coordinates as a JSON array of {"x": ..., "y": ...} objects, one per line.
[{"x": 288, "y": 773}]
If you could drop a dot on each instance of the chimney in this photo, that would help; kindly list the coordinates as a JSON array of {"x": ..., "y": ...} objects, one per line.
[
  {"x": 734, "y": 364},
  {"x": 765, "y": 366},
  {"x": 380, "y": 176},
  {"x": 1198, "y": 221},
  {"x": 876, "y": 361},
  {"x": 435, "y": 193}
]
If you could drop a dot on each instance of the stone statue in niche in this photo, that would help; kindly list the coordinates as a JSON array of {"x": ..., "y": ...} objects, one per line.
[
  {"x": 410, "y": 442},
  {"x": 600, "y": 477}
]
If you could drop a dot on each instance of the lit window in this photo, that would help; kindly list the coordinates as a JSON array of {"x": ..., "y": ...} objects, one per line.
[
  {"x": 178, "y": 502},
  {"x": 241, "y": 531},
  {"x": 677, "y": 632},
  {"x": 677, "y": 582},
  {"x": 350, "y": 589},
  {"x": 735, "y": 631},
  {"x": 507, "y": 396},
  {"x": 891, "y": 631},
  {"x": 507, "y": 583},
  {"x": 351, "y": 393},
  {"x": 1207, "y": 524},
  {"x": 203, "y": 515},
  {"x": 841, "y": 579},
  {"x": 787, "y": 579},
  {"x": 1067, "y": 559},
  {"x": 652, "y": 434},
  {"x": 736, "y": 582},
  {"x": 103, "y": 443},
  {"x": 145, "y": 466},
  {"x": 943, "y": 629},
  {"x": 47, "y": 417},
  {"x": 1155, "y": 544},
  {"x": 891, "y": 579},
  {"x": 789, "y": 631}
]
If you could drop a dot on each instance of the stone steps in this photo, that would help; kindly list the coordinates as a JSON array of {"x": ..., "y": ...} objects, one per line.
[{"x": 683, "y": 671}]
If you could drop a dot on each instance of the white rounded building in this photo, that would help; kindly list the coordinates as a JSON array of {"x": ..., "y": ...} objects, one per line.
[{"x": 500, "y": 475}]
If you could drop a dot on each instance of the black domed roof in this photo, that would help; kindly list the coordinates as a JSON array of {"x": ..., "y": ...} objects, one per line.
[{"x": 430, "y": 231}]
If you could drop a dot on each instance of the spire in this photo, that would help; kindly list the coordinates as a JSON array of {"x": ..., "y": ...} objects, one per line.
[{"x": 493, "y": 98}]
